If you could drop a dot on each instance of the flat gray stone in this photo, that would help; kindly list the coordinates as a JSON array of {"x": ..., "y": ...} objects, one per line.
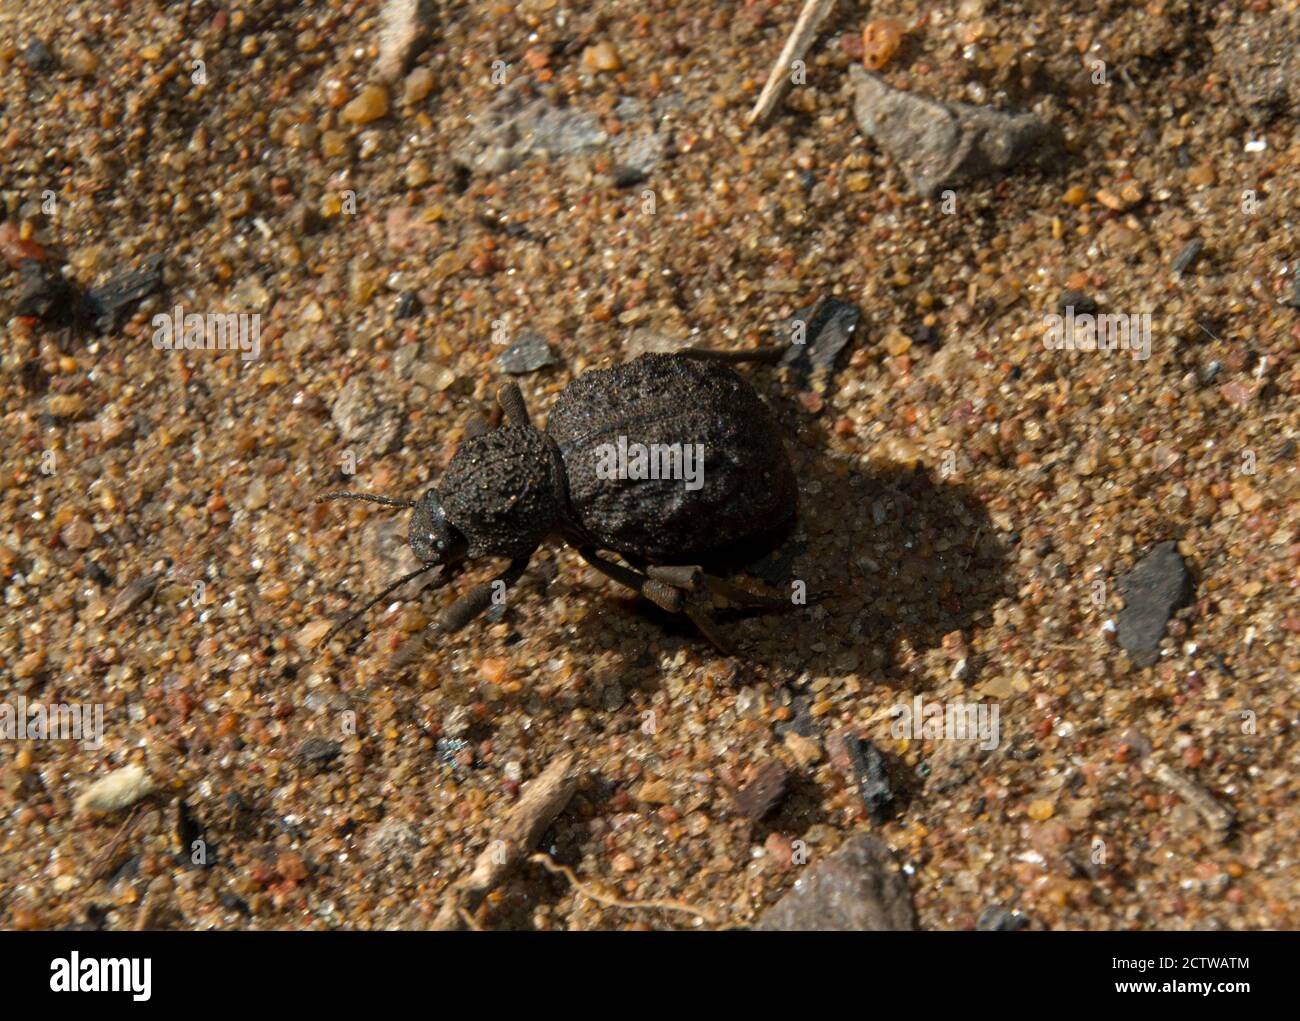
[
  {"x": 1157, "y": 586},
  {"x": 1261, "y": 56},
  {"x": 858, "y": 888},
  {"x": 938, "y": 145}
]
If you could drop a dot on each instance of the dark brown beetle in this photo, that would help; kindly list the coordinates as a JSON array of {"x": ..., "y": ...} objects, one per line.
[{"x": 506, "y": 491}]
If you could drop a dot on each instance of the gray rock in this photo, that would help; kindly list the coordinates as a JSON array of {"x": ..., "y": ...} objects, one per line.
[
  {"x": 1262, "y": 61},
  {"x": 521, "y": 123},
  {"x": 857, "y": 888},
  {"x": 402, "y": 27},
  {"x": 524, "y": 122},
  {"x": 938, "y": 145},
  {"x": 826, "y": 328},
  {"x": 1157, "y": 586},
  {"x": 527, "y": 354},
  {"x": 363, "y": 419}
]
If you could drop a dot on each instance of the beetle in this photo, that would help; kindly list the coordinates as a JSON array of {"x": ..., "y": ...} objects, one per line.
[{"x": 506, "y": 491}]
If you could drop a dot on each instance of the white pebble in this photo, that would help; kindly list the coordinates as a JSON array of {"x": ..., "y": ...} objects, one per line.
[{"x": 119, "y": 789}]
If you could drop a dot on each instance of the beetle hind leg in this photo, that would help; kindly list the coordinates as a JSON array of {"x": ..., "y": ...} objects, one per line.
[
  {"x": 690, "y": 579},
  {"x": 666, "y": 588}
]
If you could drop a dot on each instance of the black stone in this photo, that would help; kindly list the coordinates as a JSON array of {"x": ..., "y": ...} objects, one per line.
[
  {"x": 873, "y": 778},
  {"x": 319, "y": 750},
  {"x": 1082, "y": 304},
  {"x": 828, "y": 326},
  {"x": 998, "y": 919},
  {"x": 48, "y": 295},
  {"x": 37, "y": 56},
  {"x": 1157, "y": 586},
  {"x": 628, "y": 177},
  {"x": 110, "y": 302},
  {"x": 407, "y": 305}
]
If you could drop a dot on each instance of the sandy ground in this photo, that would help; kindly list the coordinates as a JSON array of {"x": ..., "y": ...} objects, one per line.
[{"x": 970, "y": 499}]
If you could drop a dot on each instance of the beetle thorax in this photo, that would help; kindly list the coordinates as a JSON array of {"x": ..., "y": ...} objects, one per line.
[{"x": 503, "y": 491}]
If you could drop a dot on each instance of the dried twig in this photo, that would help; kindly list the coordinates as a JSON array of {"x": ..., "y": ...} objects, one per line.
[
  {"x": 111, "y": 857},
  {"x": 614, "y": 902},
  {"x": 1216, "y": 817},
  {"x": 542, "y": 800},
  {"x": 814, "y": 13}
]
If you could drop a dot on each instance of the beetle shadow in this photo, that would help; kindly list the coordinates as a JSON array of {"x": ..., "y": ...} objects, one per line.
[{"x": 889, "y": 557}]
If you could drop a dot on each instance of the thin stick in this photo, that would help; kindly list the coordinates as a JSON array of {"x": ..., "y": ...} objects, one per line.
[
  {"x": 814, "y": 13},
  {"x": 614, "y": 902},
  {"x": 543, "y": 798}
]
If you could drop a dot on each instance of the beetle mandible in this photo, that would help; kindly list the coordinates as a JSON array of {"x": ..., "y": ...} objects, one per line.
[{"x": 505, "y": 491}]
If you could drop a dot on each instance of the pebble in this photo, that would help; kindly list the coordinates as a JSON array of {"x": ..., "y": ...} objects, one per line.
[
  {"x": 880, "y": 41},
  {"x": 115, "y": 791},
  {"x": 527, "y": 354},
  {"x": 369, "y": 105},
  {"x": 601, "y": 57},
  {"x": 318, "y": 751},
  {"x": 310, "y": 635},
  {"x": 1041, "y": 810},
  {"x": 1156, "y": 586},
  {"x": 859, "y": 888},
  {"x": 402, "y": 25},
  {"x": 417, "y": 86},
  {"x": 817, "y": 335},
  {"x": 938, "y": 145},
  {"x": 1187, "y": 256},
  {"x": 78, "y": 534},
  {"x": 763, "y": 791}
]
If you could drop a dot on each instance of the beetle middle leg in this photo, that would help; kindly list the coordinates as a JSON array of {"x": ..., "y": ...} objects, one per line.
[
  {"x": 663, "y": 592},
  {"x": 691, "y": 578}
]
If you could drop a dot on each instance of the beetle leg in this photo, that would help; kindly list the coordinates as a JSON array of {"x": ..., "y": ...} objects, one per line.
[
  {"x": 663, "y": 591},
  {"x": 762, "y": 353},
  {"x": 662, "y": 594},
  {"x": 512, "y": 403},
  {"x": 690, "y": 579},
  {"x": 479, "y": 598},
  {"x": 686, "y": 578},
  {"x": 743, "y": 596},
  {"x": 709, "y": 629}
]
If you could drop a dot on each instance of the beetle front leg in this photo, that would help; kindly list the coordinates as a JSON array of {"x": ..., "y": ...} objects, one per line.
[{"x": 479, "y": 598}]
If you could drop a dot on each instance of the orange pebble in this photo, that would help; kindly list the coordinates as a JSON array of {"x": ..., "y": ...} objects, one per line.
[{"x": 880, "y": 41}]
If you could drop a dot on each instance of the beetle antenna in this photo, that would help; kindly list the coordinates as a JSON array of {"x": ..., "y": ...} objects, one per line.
[
  {"x": 344, "y": 495},
  {"x": 395, "y": 585}
]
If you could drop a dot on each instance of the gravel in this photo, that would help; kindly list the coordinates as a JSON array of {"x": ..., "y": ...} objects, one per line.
[{"x": 990, "y": 487}]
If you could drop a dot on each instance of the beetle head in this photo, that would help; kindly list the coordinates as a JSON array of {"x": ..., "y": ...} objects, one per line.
[{"x": 433, "y": 538}]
